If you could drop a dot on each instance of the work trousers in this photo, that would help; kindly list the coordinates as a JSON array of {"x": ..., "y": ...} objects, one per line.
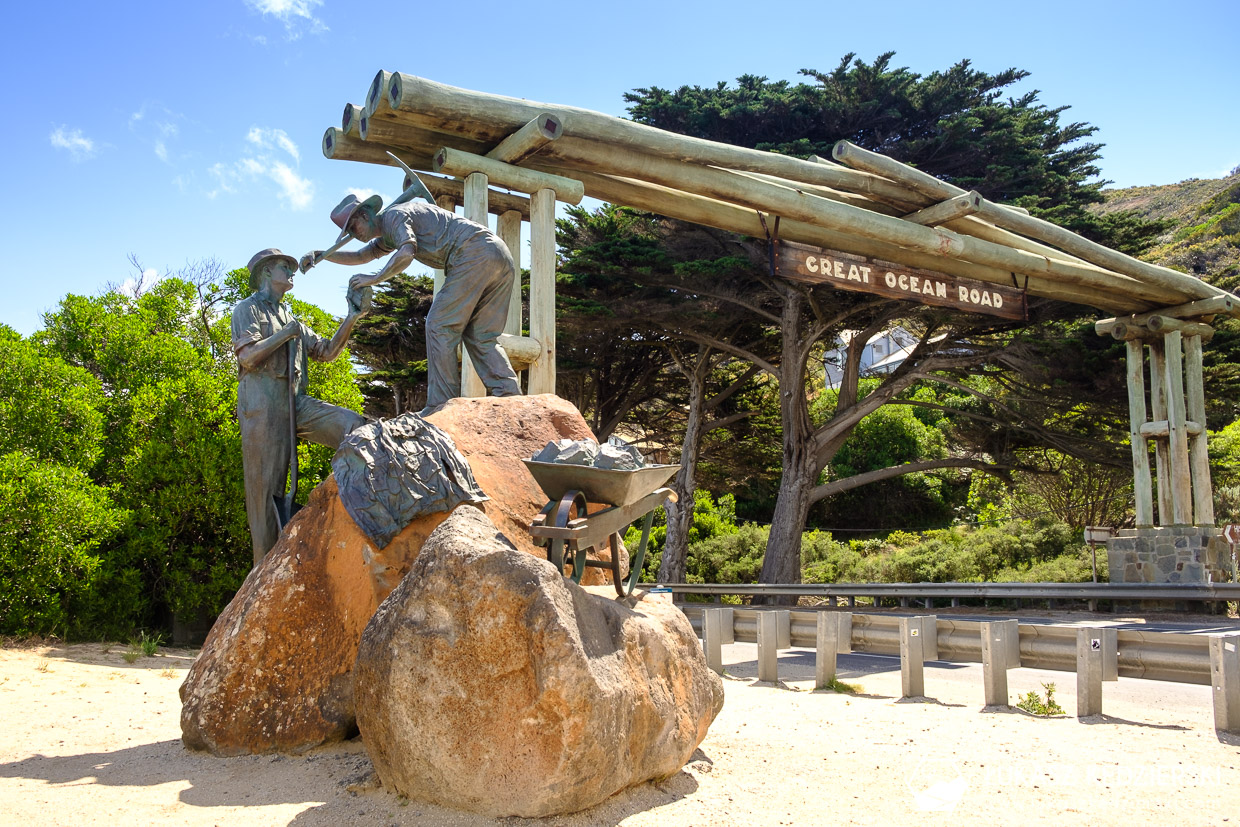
[
  {"x": 470, "y": 310},
  {"x": 266, "y": 447}
]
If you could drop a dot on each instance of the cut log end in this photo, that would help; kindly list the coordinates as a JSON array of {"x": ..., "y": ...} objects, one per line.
[
  {"x": 363, "y": 128},
  {"x": 395, "y": 89},
  {"x": 329, "y": 143},
  {"x": 376, "y": 89}
]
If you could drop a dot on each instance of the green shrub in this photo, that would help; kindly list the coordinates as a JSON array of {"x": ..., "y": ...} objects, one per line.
[{"x": 55, "y": 519}]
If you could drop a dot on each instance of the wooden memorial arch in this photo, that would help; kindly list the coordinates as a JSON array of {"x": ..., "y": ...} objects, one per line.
[{"x": 859, "y": 221}]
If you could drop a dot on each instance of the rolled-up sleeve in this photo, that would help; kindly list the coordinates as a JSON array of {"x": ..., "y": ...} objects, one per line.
[
  {"x": 398, "y": 231},
  {"x": 315, "y": 345},
  {"x": 245, "y": 326}
]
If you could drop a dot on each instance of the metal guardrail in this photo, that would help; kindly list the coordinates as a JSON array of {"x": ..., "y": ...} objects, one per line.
[
  {"x": 1223, "y": 592},
  {"x": 1162, "y": 656}
]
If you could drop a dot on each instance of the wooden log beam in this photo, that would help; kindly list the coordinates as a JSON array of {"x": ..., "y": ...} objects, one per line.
[
  {"x": 420, "y": 141},
  {"x": 376, "y": 95},
  {"x": 499, "y": 203},
  {"x": 341, "y": 147},
  {"x": 529, "y": 139},
  {"x": 1150, "y": 326},
  {"x": 709, "y": 212},
  {"x": 455, "y": 162},
  {"x": 475, "y": 210},
  {"x": 1036, "y": 228},
  {"x": 728, "y": 186},
  {"x": 491, "y": 118},
  {"x": 541, "y": 377},
  {"x": 948, "y": 210},
  {"x": 1162, "y": 428},
  {"x": 351, "y": 119},
  {"x": 522, "y": 351}
]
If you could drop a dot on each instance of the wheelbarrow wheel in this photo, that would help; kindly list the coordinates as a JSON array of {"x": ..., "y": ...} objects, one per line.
[{"x": 572, "y": 506}]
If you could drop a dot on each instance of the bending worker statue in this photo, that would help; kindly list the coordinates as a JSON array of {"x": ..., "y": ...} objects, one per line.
[
  {"x": 269, "y": 343},
  {"x": 472, "y": 305}
]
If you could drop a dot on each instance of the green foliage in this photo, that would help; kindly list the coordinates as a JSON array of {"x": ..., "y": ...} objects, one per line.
[
  {"x": 162, "y": 382},
  {"x": 49, "y": 409},
  {"x": 1035, "y": 704},
  {"x": 55, "y": 522},
  {"x": 147, "y": 643},
  {"x": 837, "y": 685},
  {"x": 711, "y": 519},
  {"x": 1224, "y": 448}
]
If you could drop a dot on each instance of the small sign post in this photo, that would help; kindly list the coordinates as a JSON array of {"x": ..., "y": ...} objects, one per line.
[{"x": 1094, "y": 535}]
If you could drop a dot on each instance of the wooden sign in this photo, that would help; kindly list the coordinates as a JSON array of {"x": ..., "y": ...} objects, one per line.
[{"x": 801, "y": 262}]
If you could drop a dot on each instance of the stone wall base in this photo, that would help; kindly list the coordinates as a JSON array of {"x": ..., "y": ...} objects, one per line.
[{"x": 1169, "y": 554}]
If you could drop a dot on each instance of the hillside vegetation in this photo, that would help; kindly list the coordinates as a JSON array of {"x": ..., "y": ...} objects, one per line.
[{"x": 1203, "y": 224}]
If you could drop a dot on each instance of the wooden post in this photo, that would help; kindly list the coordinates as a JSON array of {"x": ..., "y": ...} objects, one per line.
[
  {"x": 1158, "y": 412},
  {"x": 845, "y": 620},
  {"x": 448, "y": 203},
  {"x": 1140, "y": 448},
  {"x": 995, "y": 653},
  {"x": 475, "y": 210},
  {"x": 509, "y": 230},
  {"x": 1199, "y": 459},
  {"x": 1181, "y": 481},
  {"x": 785, "y": 629},
  {"x": 542, "y": 289}
]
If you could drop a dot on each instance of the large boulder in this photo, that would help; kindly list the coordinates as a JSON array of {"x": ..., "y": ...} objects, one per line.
[
  {"x": 275, "y": 673},
  {"x": 487, "y": 682}
]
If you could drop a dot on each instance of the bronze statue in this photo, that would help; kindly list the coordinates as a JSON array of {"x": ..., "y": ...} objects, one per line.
[
  {"x": 472, "y": 305},
  {"x": 272, "y": 405}
]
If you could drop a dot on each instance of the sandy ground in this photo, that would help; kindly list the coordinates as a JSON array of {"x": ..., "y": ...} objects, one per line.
[{"x": 86, "y": 738}]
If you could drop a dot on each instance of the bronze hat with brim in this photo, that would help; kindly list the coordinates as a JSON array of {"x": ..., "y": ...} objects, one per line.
[
  {"x": 345, "y": 209},
  {"x": 262, "y": 257}
]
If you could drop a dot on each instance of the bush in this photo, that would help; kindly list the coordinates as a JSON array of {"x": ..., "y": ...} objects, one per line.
[{"x": 55, "y": 519}]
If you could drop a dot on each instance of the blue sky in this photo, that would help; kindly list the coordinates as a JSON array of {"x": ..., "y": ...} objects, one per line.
[{"x": 178, "y": 132}]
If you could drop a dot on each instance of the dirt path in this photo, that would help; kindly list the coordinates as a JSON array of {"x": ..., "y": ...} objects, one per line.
[{"x": 90, "y": 739}]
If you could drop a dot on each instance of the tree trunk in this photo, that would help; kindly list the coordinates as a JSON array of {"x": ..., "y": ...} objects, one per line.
[
  {"x": 680, "y": 513},
  {"x": 782, "y": 561}
]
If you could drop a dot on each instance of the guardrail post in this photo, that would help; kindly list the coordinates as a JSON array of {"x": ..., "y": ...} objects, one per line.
[
  {"x": 712, "y": 638},
  {"x": 1225, "y": 679},
  {"x": 1110, "y": 654},
  {"x": 912, "y": 659},
  {"x": 930, "y": 637},
  {"x": 828, "y": 646},
  {"x": 729, "y": 625},
  {"x": 768, "y": 642},
  {"x": 785, "y": 629},
  {"x": 1088, "y": 672},
  {"x": 844, "y": 638},
  {"x": 997, "y": 638},
  {"x": 1011, "y": 635}
]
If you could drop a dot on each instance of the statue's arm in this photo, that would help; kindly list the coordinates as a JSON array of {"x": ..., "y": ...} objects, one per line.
[
  {"x": 329, "y": 351},
  {"x": 251, "y": 355},
  {"x": 396, "y": 264}
]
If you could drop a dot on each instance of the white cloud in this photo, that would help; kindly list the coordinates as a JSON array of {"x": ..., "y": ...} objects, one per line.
[
  {"x": 296, "y": 15},
  {"x": 294, "y": 190},
  {"x": 266, "y": 138},
  {"x": 363, "y": 193},
  {"x": 154, "y": 123},
  {"x": 297, "y": 191},
  {"x": 79, "y": 147},
  {"x": 161, "y": 151},
  {"x": 137, "y": 285}
]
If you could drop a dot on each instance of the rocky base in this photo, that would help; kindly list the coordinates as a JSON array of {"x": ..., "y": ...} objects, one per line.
[{"x": 488, "y": 682}]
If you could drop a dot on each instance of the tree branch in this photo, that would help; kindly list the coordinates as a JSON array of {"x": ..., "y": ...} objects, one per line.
[{"x": 821, "y": 492}]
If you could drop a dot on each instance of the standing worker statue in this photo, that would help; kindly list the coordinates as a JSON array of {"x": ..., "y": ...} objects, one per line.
[
  {"x": 272, "y": 406},
  {"x": 469, "y": 309}
]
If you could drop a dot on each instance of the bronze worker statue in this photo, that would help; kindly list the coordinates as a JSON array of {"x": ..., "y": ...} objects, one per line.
[
  {"x": 471, "y": 307},
  {"x": 272, "y": 406}
]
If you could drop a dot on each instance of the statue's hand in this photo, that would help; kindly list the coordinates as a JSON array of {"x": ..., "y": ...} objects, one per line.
[
  {"x": 360, "y": 299},
  {"x": 362, "y": 280},
  {"x": 309, "y": 260}
]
